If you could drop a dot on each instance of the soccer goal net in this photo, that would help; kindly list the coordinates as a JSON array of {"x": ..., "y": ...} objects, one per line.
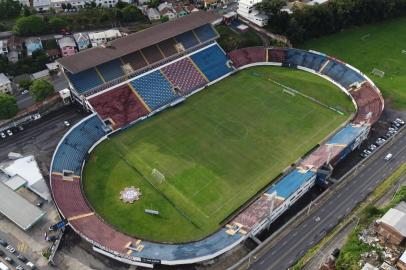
[
  {"x": 158, "y": 176},
  {"x": 378, "y": 72}
]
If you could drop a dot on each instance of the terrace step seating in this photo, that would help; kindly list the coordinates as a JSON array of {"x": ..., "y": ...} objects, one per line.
[
  {"x": 247, "y": 56},
  {"x": 212, "y": 62},
  {"x": 168, "y": 47},
  {"x": 277, "y": 55},
  {"x": 111, "y": 70},
  {"x": 135, "y": 59},
  {"x": 85, "y": 80},
  {"x": 369, "y": 103},
  {"x": 342, "y": 74},
  {"x": 205, "y": 33},
  {"x": 69, "y": 197},
  {"x": 295, "y": 57},
  {"x": 76, "y": 144},
  {"x": 187, "y": 39},
  {"x": 152, "y": 54},
  {"x": 313, "y": 61},
  {"x": 154, "y": 89},
  {"x": 120, "y": 105},
  {"x": 184, "y": 76}
]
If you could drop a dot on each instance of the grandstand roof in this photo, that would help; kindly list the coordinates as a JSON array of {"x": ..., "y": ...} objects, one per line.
[{"x": 134, "y": 42}]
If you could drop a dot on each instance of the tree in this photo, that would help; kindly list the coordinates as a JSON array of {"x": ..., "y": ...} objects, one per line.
[
  {"x": 272, "y": 7},
  {"x": 41, "y": 89},
  {"x": 132, "y": 14},
  {"x": 25, "y": 84},
  {"x": 30, "y": 25},
  {"x": 120, "y": 4},
  {"x": 26, "y": 11},
  {"x": 57, "y": 24},
  {"x": 9, "y": 9},
  {"x": 8, "y": 106},
  {"x": 153, "y": 3}
]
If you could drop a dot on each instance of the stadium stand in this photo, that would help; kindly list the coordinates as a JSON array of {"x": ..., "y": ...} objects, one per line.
[
  {"x": 247, "y": 56},
  {"x": 205, "y": 33},
  {"x": 152, "y": 54},
  {"x": 341, "y": 74},
  {"x": 120, "y": 105},
  {"x": 212, "y": 62},
  {"x": 313, "y": 61},
  {"x": 290, "y": 183},
  {"x": 69, "y": 197},
  {"x": 73, "y": 148},
  {"x": 135, "y": 59},
  {"x": 295, "y": 57},
  {"x": 277, "y": 55},
  {"x": 187, "y": 39},
  {"x": 154, "y": 89},
  {"x": 369, "y": 103},
  {"x": 111, "y": 70},
  {"x": 184, "y": 76},
  {"x": 168, "y": 47},
  {"x": 85, "y": 80}
]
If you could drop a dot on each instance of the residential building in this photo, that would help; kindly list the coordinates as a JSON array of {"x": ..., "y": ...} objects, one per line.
[
  {"x": 191, "y": 8},
  {"x": 391, "y": 228},
  {"x": 67, "y": 46},
  {"x": 180, "y": 11},
  {"x": 170, "y": 13},
  {"x": 100, "y": 38},
  {"x": 14, "y": 49},
  {"x": 82, "y": 40},
  {"x": 58, "y": 4},
  {"x": 153, "y": 14},
  {"x": 247, "y": 10},
  {"x": 41, "y": 5},
  {"x": 112, "y": 34},
  {"x": 33, "y": 44},
  {"x": 5, "y": 84},
  {"x": 3, "y": 47}
]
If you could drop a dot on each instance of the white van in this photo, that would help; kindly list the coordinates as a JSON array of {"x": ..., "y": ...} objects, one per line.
[
  {"x": 3, "y": 266},
  {"x": 388, "y": 156}
]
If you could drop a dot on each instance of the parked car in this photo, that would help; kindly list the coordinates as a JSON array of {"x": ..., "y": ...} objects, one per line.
[
  {"x": 367, "y": 152},
  {"x": 24, "y": 92},
  {"x": 31, "y": 265},
  {"x": 11, "y": 248},
  {"x": 372, "y": 147},
  {"x": 22, "y": 258},
  {"x": 66, "y": 123},
  {"x": 3, "y": 135},
  {"x": 363, "y": 155},
  {"x": 9, "y": 132},
  {"x": 9, "y": 260},
  {"x": 19, "y": 267},
  {"x": 400, "y": 121},
  {"x": 20, "y": 128},
  {"x": 3, "y": 243}
]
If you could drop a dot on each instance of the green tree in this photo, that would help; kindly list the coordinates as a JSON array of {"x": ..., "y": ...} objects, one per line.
[
  {"x": 132, "y": 14},
  {"x": 30, "y": 25},
  {"x": 25, "y": 84},
  {"x": 57, "y": 24},
  {"x": 153, "y": 3},
  {"x": 41, "y": 89},
  {"x": 9, "y": 9},
  {"x": 272, "y": 7},
  {"x": 121, "y": 4},
  {"x": 8, "y": 106}
]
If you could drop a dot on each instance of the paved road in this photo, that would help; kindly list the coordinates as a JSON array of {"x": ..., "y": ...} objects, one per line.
[{"x": 365, "y": 179}]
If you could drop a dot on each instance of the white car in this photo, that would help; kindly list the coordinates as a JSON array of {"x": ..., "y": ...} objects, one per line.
[
  {"x": 66, "y": 123},
  {"x": 11, "y": 248},
  {"x": 400, "y": 121},
  {"x": 3, "y": 135},
  {"x": 388, "y": 156},
  {"x": 31, "y": 265},
  {"x": 9, "y": 132},
  {"x": 24, "y": 92}
]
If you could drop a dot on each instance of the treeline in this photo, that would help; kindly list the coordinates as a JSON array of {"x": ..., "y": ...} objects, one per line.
[
  {"x": 319, "y": 20},
  {"x": 26, "y": 65}
]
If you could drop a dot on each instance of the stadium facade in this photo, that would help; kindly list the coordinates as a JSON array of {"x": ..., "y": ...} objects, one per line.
[{"x": 136, "y": 76}]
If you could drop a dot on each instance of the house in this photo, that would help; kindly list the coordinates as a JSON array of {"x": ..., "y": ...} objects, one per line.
[
  {"x": 3, "y": 47},
  {"x": 59, "y": 4},
  {"x": 43, "y": 74},
  {"x": 82, "y": 40},
  {"x": 5, "y": 84},
  {"x": 67, "y": 46},
  {"x": 100, "y": 38},
  {"x": 180, "y": 11},
  {"x": 112, "y": 34},
  {"x": 209, "y": 3},
  {"x": 33, "y": 44},
  {"x": 191, "y": 8},
  {"x": 14, "y": 49},
  {"x": 153, "y": 14},
  {"x": 391, "y": 228},
  {"x": 170, "y": 13},
  {"x": 41, "y": 5}
]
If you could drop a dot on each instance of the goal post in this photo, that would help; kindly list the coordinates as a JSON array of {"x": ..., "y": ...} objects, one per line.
[
  {"x": 157, "y": 175},
  {"x": 378, "y": 72}
]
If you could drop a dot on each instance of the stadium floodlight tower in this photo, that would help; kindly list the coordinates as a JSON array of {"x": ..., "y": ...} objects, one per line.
[{"x": 247, "y": 10}]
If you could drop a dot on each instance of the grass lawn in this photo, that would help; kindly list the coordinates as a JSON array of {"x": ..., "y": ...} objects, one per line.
[
  {"x": 216, "y": 151},
  {"x": 230, "y": 40},
  {"x": 373, "y": 46}
]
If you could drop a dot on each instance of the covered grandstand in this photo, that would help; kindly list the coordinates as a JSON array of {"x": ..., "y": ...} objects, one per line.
[{"x": 201, "y": 61}]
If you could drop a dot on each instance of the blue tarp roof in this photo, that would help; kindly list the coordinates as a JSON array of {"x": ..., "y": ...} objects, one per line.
[{"x": 290, "y": 183}]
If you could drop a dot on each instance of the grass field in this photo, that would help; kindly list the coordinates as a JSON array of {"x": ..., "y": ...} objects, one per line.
[
  {"x": 216, "y": 151},
  {"x": 373, "y": 46}
]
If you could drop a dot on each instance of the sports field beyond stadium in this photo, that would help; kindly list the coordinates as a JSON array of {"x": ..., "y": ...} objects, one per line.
[
  {"x": 381, "y": 46},
  {"x": 216, "y": 150}
]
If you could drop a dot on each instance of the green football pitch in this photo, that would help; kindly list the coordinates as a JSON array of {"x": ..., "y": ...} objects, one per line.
[
  {"x": 381, "y": 46},
  {"x": 216, "y": 151}
]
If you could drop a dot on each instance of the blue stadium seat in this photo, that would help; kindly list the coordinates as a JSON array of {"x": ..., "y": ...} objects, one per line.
[
  {"x": 342, "y": 74},
  {"x": 85, "y": 80},
  {"x": 111, "y": 70},
  {"x": 212, "y": 62},
  {"x": 295, "y": 57},
  {"x": 313, "y": 61},
  {"x": 154, "y": 89},
  {"x": 187, "y": 39},
  {"x": 205, "y": 32},
  {"x": 73, "y": 149}
]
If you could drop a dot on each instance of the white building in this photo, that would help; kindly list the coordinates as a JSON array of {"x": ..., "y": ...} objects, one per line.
[
  {"x": 41, "y": 5},
  {"x": 247, "y": 10},
  {"x": 100, "y": 38},
  {"x": 153, "y": 14},
  {"x": 5, "y": 84},
  {"x": 3, "y": 47}
]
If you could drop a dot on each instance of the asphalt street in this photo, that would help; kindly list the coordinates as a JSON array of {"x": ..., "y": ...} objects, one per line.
[{"x": 311, "y": 230}]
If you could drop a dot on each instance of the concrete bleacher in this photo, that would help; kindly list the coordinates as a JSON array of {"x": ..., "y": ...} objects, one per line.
[
  {"x": 120, "y": 105},
  {"x": 369, "y": 103},
  {"x": 313, "y": 61},
  {"x": 152, "y": 54},
  {"x": 295, "y": 57},
  {"x": 205, "y": 33},
  {"x": 135, "y": 59},
  {"x": 212, "y": 62},
  {"x": 73, "y": 148},
  {"x": 111, "y": 70},
  {"x": 247, "y": 56},
  {"x": 277, "y": 55},
  {"x": 342, "y": 74},
  {"x": 155, "y": 89},
  {"x": 187, "y": 39},
  {"x": 184, "y": 76},
  {"x": 168, "y": 47},
  {"x": 85, "y": 80}
]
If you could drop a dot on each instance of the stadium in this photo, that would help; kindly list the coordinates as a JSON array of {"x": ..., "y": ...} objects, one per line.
[{"x": 201, "y": 176}]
